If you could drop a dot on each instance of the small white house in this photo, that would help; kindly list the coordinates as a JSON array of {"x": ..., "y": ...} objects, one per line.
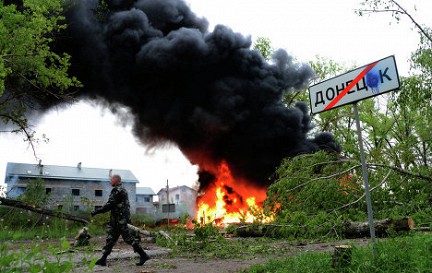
[{"x": 176, "y": 202}]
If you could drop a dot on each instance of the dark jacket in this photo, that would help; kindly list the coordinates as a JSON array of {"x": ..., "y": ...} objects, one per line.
[{"x": 118, "y": 204}]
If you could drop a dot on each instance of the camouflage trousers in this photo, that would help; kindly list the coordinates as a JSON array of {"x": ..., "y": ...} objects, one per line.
[{"x": 114, "y": 232}]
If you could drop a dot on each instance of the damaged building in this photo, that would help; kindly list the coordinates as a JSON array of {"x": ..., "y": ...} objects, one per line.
[{"x": 73, "y": 188}]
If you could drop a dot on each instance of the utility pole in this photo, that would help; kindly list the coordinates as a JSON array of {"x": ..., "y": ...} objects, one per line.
[{"x": 168, "y": 203}]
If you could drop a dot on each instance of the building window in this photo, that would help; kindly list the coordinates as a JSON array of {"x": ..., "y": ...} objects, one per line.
[
  {"x": 177, "y": 196},
  {"x": 147, "y": 199},
  {"x": 48, "y": 190},
  {"x": 98, "y": 192},
  {"x": 168, "y": 208},
  {"x": 76, "y": 192},
  {"x": 21, "y": 190},
  {"x": 97, "y": 207},
  {"x": 76, "y": 208}
]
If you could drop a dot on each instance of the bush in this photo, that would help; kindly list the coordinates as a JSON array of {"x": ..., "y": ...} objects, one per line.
[{"x": 143, "y": 220}]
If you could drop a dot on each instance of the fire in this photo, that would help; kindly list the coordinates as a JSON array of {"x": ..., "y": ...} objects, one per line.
[
  {"x": 230, "y": 201},
  {"x": 347, "y": 183}
]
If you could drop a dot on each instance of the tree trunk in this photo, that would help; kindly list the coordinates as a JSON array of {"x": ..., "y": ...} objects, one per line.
[
  {"x": 342, "y": 256},
  {"x": 22, "y": 205},
  {"x": 382, "y": 227},
  {"x": 257, "y": 230}
]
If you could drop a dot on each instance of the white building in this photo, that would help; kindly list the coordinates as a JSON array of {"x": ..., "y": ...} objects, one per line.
[{"x": 177, "y": 201}]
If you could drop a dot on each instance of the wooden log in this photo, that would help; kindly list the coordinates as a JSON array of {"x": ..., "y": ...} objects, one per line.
[
  {"x": 342, "y": 256},
  {"x": 257, "y": 230},
  {"x": 148, "y": 233},
  {"x": 382, "y": 227}
]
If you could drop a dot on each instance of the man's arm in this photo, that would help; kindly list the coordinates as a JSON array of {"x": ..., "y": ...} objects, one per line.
[{"x": 112, "y": 201}]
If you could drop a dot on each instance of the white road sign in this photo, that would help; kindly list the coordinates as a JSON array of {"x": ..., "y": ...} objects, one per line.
[{"x": 367, "y": 81}]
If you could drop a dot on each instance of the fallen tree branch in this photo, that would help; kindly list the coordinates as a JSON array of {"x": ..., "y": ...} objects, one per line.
[
  {"x": 22, "y": 205},
  {"x": 402, "y": 171},
  {"x": 364, "y": 194},
  {"x": 397, "y": 169},
  {"x": 323, "y": 177}
]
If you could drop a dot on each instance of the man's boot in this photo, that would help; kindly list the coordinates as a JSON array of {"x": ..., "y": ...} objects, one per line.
[
  {"x": 102, "y": 260},
  {"x": 143, "y": 256}
]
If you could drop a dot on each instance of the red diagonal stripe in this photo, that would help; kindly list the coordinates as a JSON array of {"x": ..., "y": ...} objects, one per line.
[{"x": 351, "y": 85}]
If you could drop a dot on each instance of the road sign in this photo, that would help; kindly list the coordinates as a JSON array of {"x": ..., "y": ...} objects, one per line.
[{"x": 367, "y": 81}]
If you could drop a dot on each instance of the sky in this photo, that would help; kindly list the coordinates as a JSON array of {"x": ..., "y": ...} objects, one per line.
[{"x": 85, "y": 132}]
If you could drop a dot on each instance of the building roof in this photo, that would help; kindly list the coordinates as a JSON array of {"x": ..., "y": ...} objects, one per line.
[
  {"x": 163, "y": 190},
  {"x": 144, "y": 191},
  {"x": 66, "y": 173}
]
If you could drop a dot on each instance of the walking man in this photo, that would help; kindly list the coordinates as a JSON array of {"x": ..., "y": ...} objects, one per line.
[{"x": 118, "y": 205}]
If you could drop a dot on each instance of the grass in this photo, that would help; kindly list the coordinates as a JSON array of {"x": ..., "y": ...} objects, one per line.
[
  {"x": 410, "y": 253},
  {"x": 404, "y": 254},
  {"x": 17, "y": 224},
  {"x": 51, "y": 228}
]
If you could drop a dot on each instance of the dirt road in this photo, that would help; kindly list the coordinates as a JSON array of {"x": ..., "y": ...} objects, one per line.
[{"x": 123, "y": 260}]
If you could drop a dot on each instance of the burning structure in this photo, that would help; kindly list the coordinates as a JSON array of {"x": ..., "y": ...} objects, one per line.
[{"x": 206, "y": 91}]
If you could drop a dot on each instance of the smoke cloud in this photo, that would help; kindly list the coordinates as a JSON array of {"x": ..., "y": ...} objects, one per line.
[{"x": 206, "y": 91}]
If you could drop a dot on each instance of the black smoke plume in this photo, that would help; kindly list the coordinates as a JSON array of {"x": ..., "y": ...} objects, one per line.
[{"x": 206, "y": 91}]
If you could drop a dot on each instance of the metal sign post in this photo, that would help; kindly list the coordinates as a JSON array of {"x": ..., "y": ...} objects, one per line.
[{"x": 366, "y": 180}]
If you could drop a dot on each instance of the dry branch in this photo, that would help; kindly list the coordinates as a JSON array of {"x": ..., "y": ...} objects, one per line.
[
  {"x": 400, "y": 10},
  {"x": 364, "y": 194}
]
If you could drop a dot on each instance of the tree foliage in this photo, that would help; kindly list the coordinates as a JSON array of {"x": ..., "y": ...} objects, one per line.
[
  {"x": 32, "y": 74},
  {"x": 35, "y": 193},
  {"x": 263, "y": 45}
]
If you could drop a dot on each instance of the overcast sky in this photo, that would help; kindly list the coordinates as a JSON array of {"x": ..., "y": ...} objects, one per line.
[{"x": 89, "y": 134}]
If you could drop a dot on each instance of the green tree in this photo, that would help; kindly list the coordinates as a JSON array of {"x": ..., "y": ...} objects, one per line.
[
  {"x": 35, "y": 193},
  {"x": 30, "y": 71},
  {"x": 263, "y": 45},
  {"x": 407, "y": 113}
]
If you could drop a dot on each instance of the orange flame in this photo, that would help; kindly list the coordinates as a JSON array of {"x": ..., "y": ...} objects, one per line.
[
  {"x": 229, "y": 200},
  {"x": 347, "y": 183}
]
